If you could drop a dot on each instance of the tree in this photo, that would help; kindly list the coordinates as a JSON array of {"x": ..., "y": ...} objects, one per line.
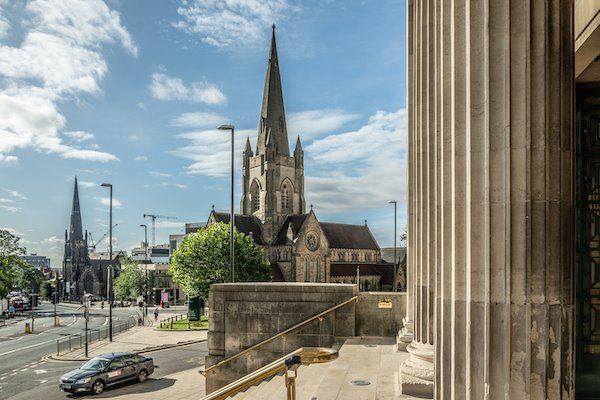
[
  {"x": 129, "y": 285},
  {"x": 46, "y": 290},
  {"x": 202, "y": 259},
  {"x": 14, "y": 272}
]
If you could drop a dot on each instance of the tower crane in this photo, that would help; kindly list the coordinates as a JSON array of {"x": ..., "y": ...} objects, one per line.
[
  {"x": 93, "y": 245},
  {"x": 154, "y": 217}
]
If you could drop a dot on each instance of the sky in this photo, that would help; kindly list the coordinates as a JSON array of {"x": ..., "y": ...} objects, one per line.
[{"x": 130, "y": 92}]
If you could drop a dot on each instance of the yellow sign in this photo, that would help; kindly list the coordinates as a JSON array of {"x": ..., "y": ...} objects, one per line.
[{"x": 387, "y": 303}]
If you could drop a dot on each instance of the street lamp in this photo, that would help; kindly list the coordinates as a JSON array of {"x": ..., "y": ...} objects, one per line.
[
  {"x": 146, "y": 266},
  {"x": 232, "y": 216},
  {"x": 109, "y": 283},
  {"x": 395, "y": 236}
]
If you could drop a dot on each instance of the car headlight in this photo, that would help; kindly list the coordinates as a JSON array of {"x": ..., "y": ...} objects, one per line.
[{"x": 84, "y": 380}]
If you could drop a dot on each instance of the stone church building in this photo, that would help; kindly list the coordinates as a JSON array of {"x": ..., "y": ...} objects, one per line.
[
  {"x": 273, "y": 209},
  {"x": 82, "y": 272}
]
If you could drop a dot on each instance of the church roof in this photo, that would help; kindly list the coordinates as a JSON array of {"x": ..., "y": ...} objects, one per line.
[
  {"x": 345, "y": 236},
  {"x": 247, "y": 224},
  {"x": 272, "y": 128},
  {"x": 296, "y": 220},
  {"x": 387, "y": 254},
  {"x": 365, "y": 269}
]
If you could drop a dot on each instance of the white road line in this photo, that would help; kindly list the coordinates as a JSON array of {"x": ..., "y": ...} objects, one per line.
[{"x": 27, "y": 347}]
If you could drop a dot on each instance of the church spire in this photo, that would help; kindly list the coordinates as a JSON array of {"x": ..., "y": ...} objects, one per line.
[
  {"x": 75, "y": 229},
  {"x": 272, "y": 115}
]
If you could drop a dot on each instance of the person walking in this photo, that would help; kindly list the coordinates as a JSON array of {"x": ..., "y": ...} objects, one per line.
[{"x": 156, "y": 314}]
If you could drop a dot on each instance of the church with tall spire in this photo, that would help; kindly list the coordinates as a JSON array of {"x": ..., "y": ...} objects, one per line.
[
  {"x": 273, "y": 211},
  {"x": 81, "y": 274}
]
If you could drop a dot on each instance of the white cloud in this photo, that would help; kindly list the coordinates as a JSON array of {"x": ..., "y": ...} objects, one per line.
[
  {"x": 231, "y": 22},
  {"x": 16, "y": 194},
  {"x": 11, "y": 209},
  {"x": 88, "y": 184},
  {"x": 7, "y": 160},
  {"x": 361, "y": 169},
  {"x": 169, "y": 224},
  {"x": 79, "y": 136},
  {"x": 58, "y": 59},
  {"x": 210, "y": 151},
  {"x": 159, "y": 174},
  {"x": 141, "y": 158},
  {"x": 105, "y": 201},
  {"x": 2, "y": 200},
  {"x": 313, "y": 123},
  {"x": 164, "y": 87},
  {"x": 198, "y": 120},
  {"x": 52, "y": 240}
]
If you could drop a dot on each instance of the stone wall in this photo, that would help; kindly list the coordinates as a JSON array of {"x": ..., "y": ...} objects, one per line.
[
  {"x": 371, "y": 320},
  {"x": 243, "y": 314}
]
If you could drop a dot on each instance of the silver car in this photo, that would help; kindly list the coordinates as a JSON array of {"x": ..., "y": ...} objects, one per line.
[{"x": 107, "y": 370}]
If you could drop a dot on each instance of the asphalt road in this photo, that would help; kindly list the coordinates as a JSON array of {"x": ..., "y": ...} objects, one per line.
[
  {"x": 21, "y": 364},
  {"x": 169, "y": 361}
]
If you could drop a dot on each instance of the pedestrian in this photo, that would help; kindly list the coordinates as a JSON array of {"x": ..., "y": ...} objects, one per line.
[{"x": 156, "y": 314}]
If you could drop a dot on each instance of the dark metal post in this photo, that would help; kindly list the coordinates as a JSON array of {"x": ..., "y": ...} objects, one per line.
[
  {"x": 55, "y": 301},
  {"x": 232, "y": 215},
  {"x": 109, "y": 292},
  {"x": 395, "y": 288},
  {"x": 86, "y": 316}
]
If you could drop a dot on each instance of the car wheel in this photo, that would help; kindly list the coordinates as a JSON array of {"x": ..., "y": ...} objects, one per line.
[
  {"x": 97, "y": 387},
  {"x": 143, "y": 376}
]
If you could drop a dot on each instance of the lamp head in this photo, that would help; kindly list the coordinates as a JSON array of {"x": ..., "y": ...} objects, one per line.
[
  {"x": 143, "y": 225},
  {"x": 226, "y": 127},
  {"x": 106, "y": 185},
  {"x": 392, "y": 202}
]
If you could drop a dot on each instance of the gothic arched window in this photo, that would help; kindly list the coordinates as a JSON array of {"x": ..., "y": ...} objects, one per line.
[
  {"x": 318, "y": 274},
  {"x": 255, "y": 196},
  {"x": 306, "y": 265},
  {"x": 287, "y": 191}
]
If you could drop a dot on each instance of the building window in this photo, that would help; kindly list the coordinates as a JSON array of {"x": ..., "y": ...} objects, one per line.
[
  {"x": 354, "y": 257},
  {"x": 318, "y": 274},
  {"x": 255, "y": 196},
  {"x": 287, "y": 191},
  {"x": 306, "y": 265}
]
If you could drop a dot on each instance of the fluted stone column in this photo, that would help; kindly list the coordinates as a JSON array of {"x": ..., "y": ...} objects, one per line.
[{"x": 491, "y": 197}]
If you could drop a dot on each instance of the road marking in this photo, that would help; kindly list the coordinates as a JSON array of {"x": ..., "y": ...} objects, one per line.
[
  {"x": 40, "y": 371},
  {"x": 42, "y": 381},
  {"x": 27, "y": 347},
  {"x": 13, "y": 374}
]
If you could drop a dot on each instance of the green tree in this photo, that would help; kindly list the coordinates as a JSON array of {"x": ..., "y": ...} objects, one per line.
[
  {"x": 129, "y": 285},
  {"x": 14, "y": 272},
  {"x": 46, "y": 290},
  {"x": 202, "y": 259}
]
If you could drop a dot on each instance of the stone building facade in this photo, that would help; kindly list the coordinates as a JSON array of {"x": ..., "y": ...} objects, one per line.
[
  {"x": 299, "y": 247},
  {"x": 503, "y": 133}
]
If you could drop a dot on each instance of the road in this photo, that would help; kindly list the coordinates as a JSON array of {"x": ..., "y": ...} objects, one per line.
[
  {"x": 21, "y": 365},
  {"x": 169, "y": 361}
]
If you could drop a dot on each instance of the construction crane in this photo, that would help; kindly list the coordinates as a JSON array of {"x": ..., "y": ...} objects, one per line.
[
  {"x": 154, "y": 218},
  {"x": 93, "y": 245}
]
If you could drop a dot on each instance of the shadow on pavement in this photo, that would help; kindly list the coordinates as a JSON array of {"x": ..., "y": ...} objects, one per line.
[{"x": 124, "y": 389}]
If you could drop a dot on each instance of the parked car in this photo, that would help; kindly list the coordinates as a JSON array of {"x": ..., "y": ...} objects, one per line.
[{"x": 106, "y": 370}]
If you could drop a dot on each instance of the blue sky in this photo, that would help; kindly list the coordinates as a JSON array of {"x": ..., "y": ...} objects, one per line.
[{"x": 129, "y": 92}]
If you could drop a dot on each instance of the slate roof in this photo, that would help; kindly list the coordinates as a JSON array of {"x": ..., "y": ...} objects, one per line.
[
  {"x": 345, "y": 236},
  {"x": 296, "y": 220},
  {"x": 244, "y": 223},
  {"x": 276, "y": 274},
  {"x": 385, "y": 270},
  {"x": 387, "y": 254}
]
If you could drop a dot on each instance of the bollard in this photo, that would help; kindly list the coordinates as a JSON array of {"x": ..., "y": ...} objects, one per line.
[
  {"x": 27, "y": 327},
  {"x": 69, "y": 342}
]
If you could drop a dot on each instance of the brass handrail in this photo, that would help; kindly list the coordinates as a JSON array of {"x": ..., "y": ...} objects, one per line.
[
  {"x": 308, "y": 355},
  {"x": 282, "y": 333}
]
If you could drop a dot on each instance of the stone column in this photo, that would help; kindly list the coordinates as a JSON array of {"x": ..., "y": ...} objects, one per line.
[
  {"x": 417, "y": 373},
  {"x": 491, "y": 196}
]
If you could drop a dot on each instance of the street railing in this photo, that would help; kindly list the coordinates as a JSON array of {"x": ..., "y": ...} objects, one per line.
[
  {"x": 168, "y": 322},
  {"x": 73, "y": 342}
]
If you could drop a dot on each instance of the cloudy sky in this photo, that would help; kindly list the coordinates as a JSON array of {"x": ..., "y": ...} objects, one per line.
[{"x": 130, "y": 91}]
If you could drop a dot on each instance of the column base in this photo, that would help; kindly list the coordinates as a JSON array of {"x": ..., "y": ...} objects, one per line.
[
  {"x": 405, "y": 335},
  {"x": 417, "y": 373}
]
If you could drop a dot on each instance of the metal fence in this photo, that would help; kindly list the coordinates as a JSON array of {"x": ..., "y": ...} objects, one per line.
[
  {"x": 168, "y": 322},
  {"x": 73, "y": 342}
]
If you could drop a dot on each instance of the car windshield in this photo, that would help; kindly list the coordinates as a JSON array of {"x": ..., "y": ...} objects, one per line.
[{"x": 96, "y": 364}]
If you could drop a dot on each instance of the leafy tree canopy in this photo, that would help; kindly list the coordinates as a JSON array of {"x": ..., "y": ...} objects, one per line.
[
  {"x": 129, "y": 285},
  {"x": 202, "y": 259},
  {"x": 14, "y": 272}
]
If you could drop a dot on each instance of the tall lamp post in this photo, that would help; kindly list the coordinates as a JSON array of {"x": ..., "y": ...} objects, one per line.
[
  {"x": 395, "y": 236},
  {"x": 232, "y": 216},
  {"x": 109, "y": 283},
  {"x": 146, "y": 267}
]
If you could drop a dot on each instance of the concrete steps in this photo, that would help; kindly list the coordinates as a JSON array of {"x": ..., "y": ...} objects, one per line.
[{"x": 373, "y": 360}]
